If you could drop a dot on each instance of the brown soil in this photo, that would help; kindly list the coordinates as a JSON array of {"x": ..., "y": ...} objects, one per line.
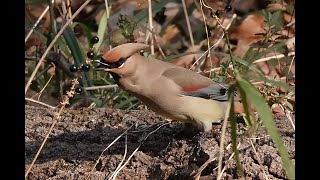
[{"x": 172, "y": 152}]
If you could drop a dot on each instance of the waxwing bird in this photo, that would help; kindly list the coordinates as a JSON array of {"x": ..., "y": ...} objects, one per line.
[{"x": 169, "y": 90}]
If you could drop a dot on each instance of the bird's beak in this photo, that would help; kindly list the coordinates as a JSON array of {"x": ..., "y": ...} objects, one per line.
[{"x": 102, "y": 67}]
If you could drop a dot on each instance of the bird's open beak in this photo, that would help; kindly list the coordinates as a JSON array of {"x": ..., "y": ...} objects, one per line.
[{"x": 102, "y": 67}]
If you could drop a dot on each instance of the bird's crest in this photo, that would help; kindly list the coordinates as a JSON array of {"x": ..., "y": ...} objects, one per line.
[{"x": 123, "y": 51}]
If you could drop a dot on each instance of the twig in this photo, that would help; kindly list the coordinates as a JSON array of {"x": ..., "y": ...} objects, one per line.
[
  {"x": 150, "y": 25},
  {"x": 52, "y": 43},
  {"x": 288, "y": 116},
  {"x": 231, "y": 156},
  {"x": 41, "y": 103},
  {"x": 291, "y": 63},
  {"x": 202, "y": 167},
  {"x": 108, "y": 148},
  {"x": 223, "y": 133},
  {"x": 159, "y": 47},
  {"x": 208, "y": 43},
  {"x": 69, "y": 8},
  {"x": 271, "y": 57},
  {"x": 263, "y": 82},
  {"x": 101, "y": 87},
  {"x": 140, "y": 145},
  {"x": 259, "y": 160},
  {"x": 107, "y": 7},
  {"x": 57, "y": 117},
  {"x": 124, "y": 157},
  {"x": 261, "y": 60},
  {"x": 188, "y": 23},
  {"x": 40, "y": 93},
  {"x": 215, "y": 44},
  {"x": 37, "y": 22}
]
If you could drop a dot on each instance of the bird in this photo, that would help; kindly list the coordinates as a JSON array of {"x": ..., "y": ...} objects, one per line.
[{"x": 169, "y": 90}]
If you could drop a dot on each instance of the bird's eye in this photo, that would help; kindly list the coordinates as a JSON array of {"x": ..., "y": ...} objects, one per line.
[{"x": 120, "y": 62}]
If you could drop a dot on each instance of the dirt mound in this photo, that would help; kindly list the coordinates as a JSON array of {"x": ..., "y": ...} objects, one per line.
[{"x": 171, "y": 152}]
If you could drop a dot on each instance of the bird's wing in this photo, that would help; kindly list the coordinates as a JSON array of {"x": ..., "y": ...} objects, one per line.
[{"x": 194, "y": 84}]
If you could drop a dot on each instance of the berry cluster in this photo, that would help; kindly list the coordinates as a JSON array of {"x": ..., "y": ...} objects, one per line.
[
  {"x": 227, "y": 8},
  {"x": 84, "y": 67}
]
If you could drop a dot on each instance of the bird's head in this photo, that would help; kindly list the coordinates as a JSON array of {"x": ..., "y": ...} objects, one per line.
[{"x": 115, "y": 59}]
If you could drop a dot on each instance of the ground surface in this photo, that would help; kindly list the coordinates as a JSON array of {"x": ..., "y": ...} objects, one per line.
[{"x": 79, "y": 138}]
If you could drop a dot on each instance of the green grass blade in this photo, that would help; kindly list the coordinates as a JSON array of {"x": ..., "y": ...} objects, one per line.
[
  {"x": 73, "y": 45},
  {"x": 102, "y": 29},
  {"x": 249, "y": 54},
  {"x": 262, "y": 77},
  {"x": 77, "y": 55},
  {"x": 234, "y": 136},
  {"x": 271, "y": 81},
  {"x": 274, "y": 47},
  {"x": 244, "y": 101},
  {"x": 266, "y": 116}
]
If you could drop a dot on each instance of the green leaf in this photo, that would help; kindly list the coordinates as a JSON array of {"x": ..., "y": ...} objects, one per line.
[
  {"x": 245, "y": 103},
  {"x": 277, "y": 20},
  {"x": 273, "y": 62},
  {"x": 84, "y": 28},
  {"x": 102, "y": 29},
  {"x": 77, "y": 54},
  {"x": 276, "y": 47},
  {"x": 233, "y": 124},
  {"x": 73, "y": 45},
  {"x": 249, "y": 54},
  {"x": 266, "y": 116},
  {"x": 271, "y": 81}
]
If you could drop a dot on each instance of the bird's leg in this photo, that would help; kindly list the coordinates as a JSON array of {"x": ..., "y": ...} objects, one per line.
[
  {"x": 198, "y": 139},
  {"x": 188, "y": 131}
]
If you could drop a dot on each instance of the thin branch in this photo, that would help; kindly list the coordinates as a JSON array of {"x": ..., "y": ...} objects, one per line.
[
  {"x": 188, "y": 23},
  {"x": 69, "y": 8},
  {"x": 37, "y": 22},
  {"x": 203, "y": 166},
  {"x": 140, "y": 146},
  {"x": 56, "y": 118},
  {"x": 261, "y": 60},
  {"x": 101, "y": 87},
  {"x": 41, "y": 103},
  {"x": 276, "y": 56},
  {"x": 291, "y": 63},
  {"x": 114, "y": 175},
  {"x": 108, "y": 148},
  {"x": 150, "y": 25},
  {"x": 288, "y": 116},
  {"x": 51, "y": 45},
  {"x": 223, "y": 134},
  {"x": 40, "y": 93},
  {"x": 259, "y": 160},
  {"x": 215, "y": 44},
  {"x": 231, "y": 156},
  {"x": 207, "y": 33}
]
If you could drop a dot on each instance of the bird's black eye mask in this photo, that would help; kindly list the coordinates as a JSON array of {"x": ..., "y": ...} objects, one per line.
[{"x": 105, "y": 65}]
